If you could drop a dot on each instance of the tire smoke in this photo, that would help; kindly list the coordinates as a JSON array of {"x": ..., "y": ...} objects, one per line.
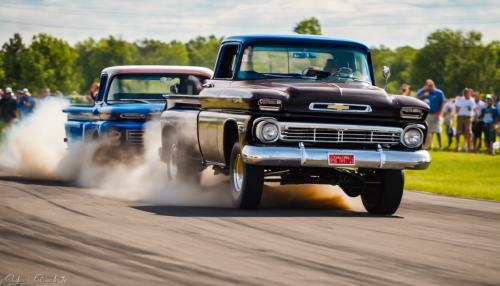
[{"x": 34, "y": 147}]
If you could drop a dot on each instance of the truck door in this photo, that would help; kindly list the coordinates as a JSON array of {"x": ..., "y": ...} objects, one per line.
[{"x": 211, "y": 120}]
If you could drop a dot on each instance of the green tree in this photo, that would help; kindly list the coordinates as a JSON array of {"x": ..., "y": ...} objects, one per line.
[
  {"x": 50, "y": 62},
  {"x": 309, "y": 26},
  {"x": 94, "y": 56},
  {"x": 13, "y": 51},
  {"x": 2, "y": 71},
  {"x": 399, "y": 60},
  {"x": 159, "y": 53},
  {"x": 202, "y": 51}
]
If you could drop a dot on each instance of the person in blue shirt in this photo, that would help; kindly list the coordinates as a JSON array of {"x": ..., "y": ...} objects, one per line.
[
  {"x": 26, "y": 103},
  {"x": 490, "y": 117},
  {"x": 435, "y": 98}
]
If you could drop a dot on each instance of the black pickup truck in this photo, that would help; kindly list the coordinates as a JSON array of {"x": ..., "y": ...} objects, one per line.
[{"x": 296, "y": 110}]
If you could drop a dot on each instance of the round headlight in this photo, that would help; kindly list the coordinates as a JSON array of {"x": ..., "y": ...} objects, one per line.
[
  {"x": 412, "y": 137},
  {"x": 113, "y": 136},
  {"x": 267, "y": 131}
]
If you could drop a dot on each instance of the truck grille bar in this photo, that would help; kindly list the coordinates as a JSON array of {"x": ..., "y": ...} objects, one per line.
[
  {"x": 338, "y": 133},
  {"x": 135, "y": 136}
]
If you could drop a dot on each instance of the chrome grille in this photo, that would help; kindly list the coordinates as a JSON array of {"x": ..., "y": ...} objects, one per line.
[
  {"x": 135, "y": 136},
  {"x": 339, "y": 133}
]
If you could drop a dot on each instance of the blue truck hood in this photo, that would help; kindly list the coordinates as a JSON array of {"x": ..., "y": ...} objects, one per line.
[
  {"x": 138, "y": 108},
  {"x": 141, "y": 108}
]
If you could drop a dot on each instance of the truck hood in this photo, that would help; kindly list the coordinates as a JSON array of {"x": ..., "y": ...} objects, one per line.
[
  {"x": 297, "y": 96},
  {"x": 140, "y": 108}
]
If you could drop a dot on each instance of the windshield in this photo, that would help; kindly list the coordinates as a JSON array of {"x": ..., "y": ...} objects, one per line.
[
  {"x": 146, "y": 88},
  {"x": 320, "y": 62}
]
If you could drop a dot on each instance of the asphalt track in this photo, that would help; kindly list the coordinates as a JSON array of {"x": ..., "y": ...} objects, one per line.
[{"x": 55, "y": 229}]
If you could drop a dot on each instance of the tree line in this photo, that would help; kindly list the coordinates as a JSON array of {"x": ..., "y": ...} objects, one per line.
[
  {"x": 453, "y": 59},
  {"x": 52, "y": 62}
]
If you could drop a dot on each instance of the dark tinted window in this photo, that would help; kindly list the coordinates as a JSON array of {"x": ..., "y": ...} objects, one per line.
[{"x": 227, "y": 61}]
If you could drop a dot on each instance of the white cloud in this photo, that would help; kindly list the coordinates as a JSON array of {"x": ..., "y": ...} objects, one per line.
[{"x": 392, "y": 23}]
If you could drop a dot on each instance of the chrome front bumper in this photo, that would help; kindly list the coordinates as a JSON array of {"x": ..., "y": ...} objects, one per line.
[{"x": 318, "y": 157}]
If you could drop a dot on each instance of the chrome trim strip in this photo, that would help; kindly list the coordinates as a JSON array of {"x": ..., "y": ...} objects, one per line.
[
  {"x": 282, "y": 156},
  {"x": 367, "y": 108},
  {"x": 405, "y": 115}
]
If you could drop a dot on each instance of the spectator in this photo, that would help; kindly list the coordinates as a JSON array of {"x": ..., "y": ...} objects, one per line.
[
  {"x": 26, "y": 103},
  {"x": 448, "y": 116},
  {"x": 8, "y": 106},
  {"x": 46, "y": 93},
  {"x": 490, "y": 116},
  {"x": 498, "y": 102},
  {"x": 94, "y": 91},
  {"x": 435, "y": 98},
  {"x": 58, "y": 94},
  {"x": 465, "y": 112},
  {"x": 477, "y": 122},
  {"x": 9, "y": 91},
  {"x": 405, "y": 89}
]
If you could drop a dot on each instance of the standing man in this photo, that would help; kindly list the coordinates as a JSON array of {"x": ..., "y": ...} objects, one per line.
[
  {"x": 448, "y": 116},
  {"x": 477, "y": 122},
  {"x": 26, "y": 103},
  {"x": 490, "y": 117},
  {"x": 8, "y": 106},
  {"x": 435, "y": 98},
  {"x": 465, "y": 111}
]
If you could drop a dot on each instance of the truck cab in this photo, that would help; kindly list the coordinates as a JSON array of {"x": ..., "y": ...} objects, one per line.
[
  {"x": 128, "y": 97},
  {"x": 297, "y": 110}
]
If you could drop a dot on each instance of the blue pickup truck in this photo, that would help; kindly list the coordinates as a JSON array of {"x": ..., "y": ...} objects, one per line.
[{"x": 128, "y": 97}]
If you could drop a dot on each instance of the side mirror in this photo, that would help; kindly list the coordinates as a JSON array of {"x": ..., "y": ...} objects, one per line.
[{"x": 387, "y": 75}]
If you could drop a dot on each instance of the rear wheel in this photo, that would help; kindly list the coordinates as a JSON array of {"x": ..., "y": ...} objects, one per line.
[
  {"x": 384, "y": 199},
  {"x": 180, "y": 165},
  {"x": 247, "y": 181}
]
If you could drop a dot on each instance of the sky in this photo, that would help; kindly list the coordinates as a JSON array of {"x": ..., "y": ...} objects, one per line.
[{"x": 389, "y": 23}]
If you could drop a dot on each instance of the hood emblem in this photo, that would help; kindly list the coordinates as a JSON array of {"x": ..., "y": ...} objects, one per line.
[
  {"x": 338, "y": 106},
  {"x": 132, "y": 116}
]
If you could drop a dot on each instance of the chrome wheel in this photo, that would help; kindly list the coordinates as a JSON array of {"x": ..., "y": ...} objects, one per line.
[
  {"x": 246, "y": 181},
  {"x": 238, "y": 173}
]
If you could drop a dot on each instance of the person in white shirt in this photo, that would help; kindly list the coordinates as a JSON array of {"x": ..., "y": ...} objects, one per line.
[
  {"x": 448, "y": 118},
  {"x": 477, "y": 122},
  {"x": 465, "y": 111}
]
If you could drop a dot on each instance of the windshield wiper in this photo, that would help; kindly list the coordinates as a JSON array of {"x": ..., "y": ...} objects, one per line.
[
  {"x": 352, "y": 78},
  {"x": 135, "y": 99},
  {"x": 286, "y": 76}
]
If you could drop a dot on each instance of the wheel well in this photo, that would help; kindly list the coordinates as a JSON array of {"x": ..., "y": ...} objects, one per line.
[{"x": 230, "y": 136}]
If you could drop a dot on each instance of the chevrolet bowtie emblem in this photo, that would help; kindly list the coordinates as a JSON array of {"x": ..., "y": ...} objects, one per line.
[{"x": 338, "y": 107}]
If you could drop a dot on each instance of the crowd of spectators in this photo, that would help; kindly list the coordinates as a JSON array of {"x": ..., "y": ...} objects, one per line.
[
  {"x": 470, "y": 116},
  {"x": 19, "y": 104}
]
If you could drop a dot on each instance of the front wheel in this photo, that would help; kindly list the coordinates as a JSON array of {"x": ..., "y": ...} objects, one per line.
[
  {"x": 247, "y": 181},
  {"x": 384, "y": 199}
]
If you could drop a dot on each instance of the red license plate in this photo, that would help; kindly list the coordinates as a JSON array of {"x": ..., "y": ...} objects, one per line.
[{"x": 341, "y": 159}]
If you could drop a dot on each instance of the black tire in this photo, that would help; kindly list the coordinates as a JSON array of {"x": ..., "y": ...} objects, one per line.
[
  {"x": 180, "y": 166},
  {"x": 246, "y": 188},
  {"x": 384, "y": 199}
]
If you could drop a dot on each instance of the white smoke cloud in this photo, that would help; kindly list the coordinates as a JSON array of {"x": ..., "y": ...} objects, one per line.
[{"x": 35, "y": 148}]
